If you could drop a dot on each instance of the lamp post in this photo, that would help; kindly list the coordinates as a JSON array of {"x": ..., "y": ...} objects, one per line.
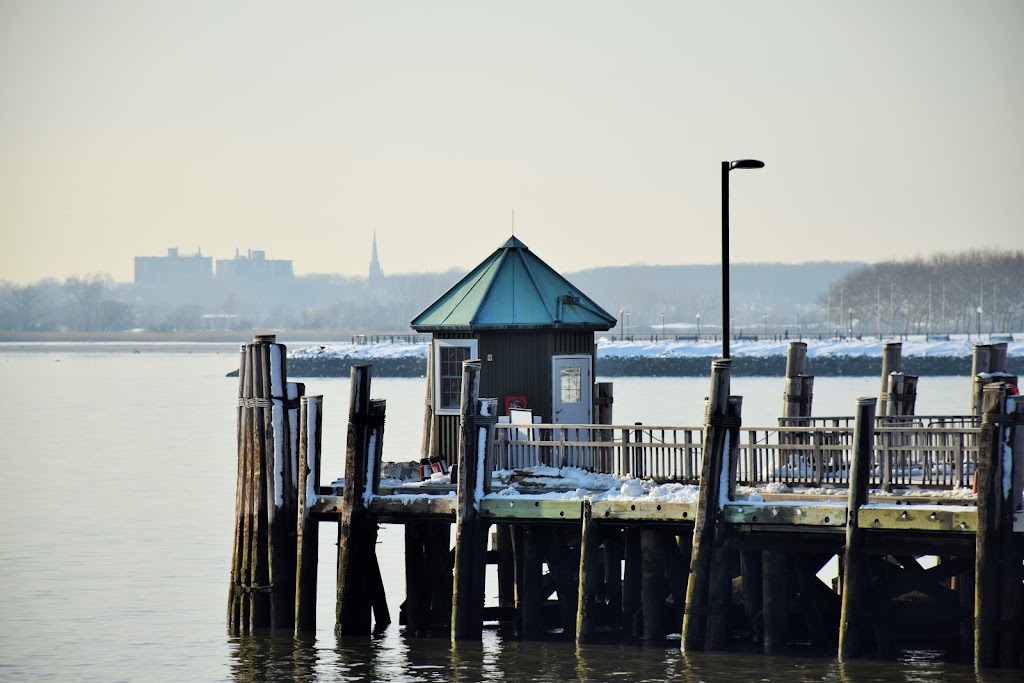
[
  {"x": 764, "y": 318},
  {"x": 698, "y": 327},
  {"x": 849, "y": 321},
  {"x": 979, "y": 322},
  {"x": 726, "y": 167},
  {"x": 799, "y": 330},
  {"x": 663, "y": 324}
]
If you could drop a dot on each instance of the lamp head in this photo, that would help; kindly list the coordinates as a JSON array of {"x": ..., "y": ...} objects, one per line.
[{"x": 746, "y": 163}]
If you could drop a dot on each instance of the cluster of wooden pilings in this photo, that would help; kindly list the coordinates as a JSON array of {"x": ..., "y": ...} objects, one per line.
[
  {"x": 263, "y": 567},
  {"x": 716, "y": 575}
]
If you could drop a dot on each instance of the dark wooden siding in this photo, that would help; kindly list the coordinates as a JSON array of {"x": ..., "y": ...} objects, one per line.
[
  {"x": 519, "y": 365},
  {"x": 446, "y": 437}
]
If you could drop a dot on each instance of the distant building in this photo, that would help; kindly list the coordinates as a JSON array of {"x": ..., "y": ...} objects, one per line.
[
  {"x": 376, "y": 272},
  {"x": 174, "y": 271},
  {"x": 253, "y": 267}
]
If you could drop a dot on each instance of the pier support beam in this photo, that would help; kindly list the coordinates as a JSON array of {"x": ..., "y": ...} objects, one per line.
[
  {"x": 997, "y": 596},
  {"x": 591, "y": 573},
  {"x": 775, "y": 592},
  {"x": 710, "y": 554},
  {"x": 359, "y": 585},
  {"x": 477, "y": 417},
  {"x": 308, "y": 532},
  {"x": 653, "y": 587},
  {"x": 530, "y": 595},
  {"x": 855, "y": 616}
]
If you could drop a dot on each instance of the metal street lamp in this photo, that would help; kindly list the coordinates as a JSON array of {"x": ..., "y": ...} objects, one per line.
[
  {"x": 764, "y": 317},
  {"x": 979, "y": 322},
  {"x": 849, "y": 320},
  {"x": 726, "y": 167},
  {"x": 698, "y": 327}
]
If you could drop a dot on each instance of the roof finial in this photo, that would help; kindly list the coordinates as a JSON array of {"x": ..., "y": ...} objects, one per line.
[{"x": 513, "y": 222}]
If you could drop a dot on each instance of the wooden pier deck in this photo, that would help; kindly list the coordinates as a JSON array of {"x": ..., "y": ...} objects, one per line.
[{"x": 635, "y": 532}]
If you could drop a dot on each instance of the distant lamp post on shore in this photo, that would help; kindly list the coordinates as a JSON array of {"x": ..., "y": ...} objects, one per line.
[
  {"x": 849, "y": 321},
  {"x": 799, "y": 330},
  {"x": 726, "y": 167},
  {"x": 764, "y": 318},
  {"x": 980, "y": 311},
  {"x": 663, "y": 324},
  {"x": 698, "y": 327}
]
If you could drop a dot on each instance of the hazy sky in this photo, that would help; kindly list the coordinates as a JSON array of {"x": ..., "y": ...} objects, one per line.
[{"x": 888, "y": 129}]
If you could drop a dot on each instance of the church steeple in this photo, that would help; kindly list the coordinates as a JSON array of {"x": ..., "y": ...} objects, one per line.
[{"x": 376, "y": 273}]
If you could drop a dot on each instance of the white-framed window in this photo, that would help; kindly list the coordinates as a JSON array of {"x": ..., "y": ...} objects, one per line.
[{"x": 448, "y": 357}]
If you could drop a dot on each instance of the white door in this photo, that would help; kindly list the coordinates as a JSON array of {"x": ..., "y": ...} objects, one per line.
[
  {"x": 572, "y": 387},
  {"x": 571, "y": 402}
]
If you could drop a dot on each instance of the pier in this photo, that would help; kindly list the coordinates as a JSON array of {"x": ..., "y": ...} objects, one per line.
[{"x": 716, "y": 531}]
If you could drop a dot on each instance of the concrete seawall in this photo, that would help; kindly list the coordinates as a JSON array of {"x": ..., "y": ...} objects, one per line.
[{"x": 746, "y": 366}]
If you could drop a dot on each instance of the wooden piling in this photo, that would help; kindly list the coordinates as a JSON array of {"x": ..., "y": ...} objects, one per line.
[
  {"x": 997, "y": 357},
  {"x": 997, "y": 630},
  {"x": 720, "y": 578},
  {"x": 590, "y": 575},
  {"x": 855, "y": 616},
  {"x": 753, "y": 592},
  {"x": 530, "y": 594},
  {"x": 707, "y": 508},
  {"x": 375, "y": 454},
  {"x": 282, "y": 493},
  {"x": 477, "y": 419},
  {"x": 775, "y": 601},
  {"x": 506, "y": 567},
  {"x": 259, "y": 577},
  {"x": 902, "y": 394},
  {"x": 438, "y": 548},
  {"x": 614, "y": 551},
  {"x": 237, "y": 601},
  {"x": 262, "y": 538},
  {"x": 653, "y": 588},
  {"x": 796, "y": 359},
  {"x": 307, "y": 528},
  {"x": 417, "y": 581},
  {"x": 979, "y": 366},
  {"x": 357, "y": 532},
  {"x": 631, "y": 577},
  {"x": 891, "y": 355}
]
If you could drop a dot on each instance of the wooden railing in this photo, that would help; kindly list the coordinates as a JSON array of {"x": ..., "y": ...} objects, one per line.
[{"x": 941, "y": 456}]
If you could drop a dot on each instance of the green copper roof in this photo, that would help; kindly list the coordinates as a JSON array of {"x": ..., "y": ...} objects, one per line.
[{"x": 513, "y": 288}]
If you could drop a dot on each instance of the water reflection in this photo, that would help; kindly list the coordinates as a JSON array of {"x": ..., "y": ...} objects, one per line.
[
  {"x": 272, "y": 657},
  {"x": 394, "y": 657}
]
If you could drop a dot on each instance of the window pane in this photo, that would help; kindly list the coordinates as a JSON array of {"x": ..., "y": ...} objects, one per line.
[
  {"x": 572, "y": 389},
  {"x": 450, "y": 359}
]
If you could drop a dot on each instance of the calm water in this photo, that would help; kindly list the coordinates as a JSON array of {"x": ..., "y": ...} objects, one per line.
[{"x": 119, "y": 473}]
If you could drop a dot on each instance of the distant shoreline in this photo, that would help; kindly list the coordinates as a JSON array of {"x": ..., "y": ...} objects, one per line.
[{"x": 743, "y": 366}]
